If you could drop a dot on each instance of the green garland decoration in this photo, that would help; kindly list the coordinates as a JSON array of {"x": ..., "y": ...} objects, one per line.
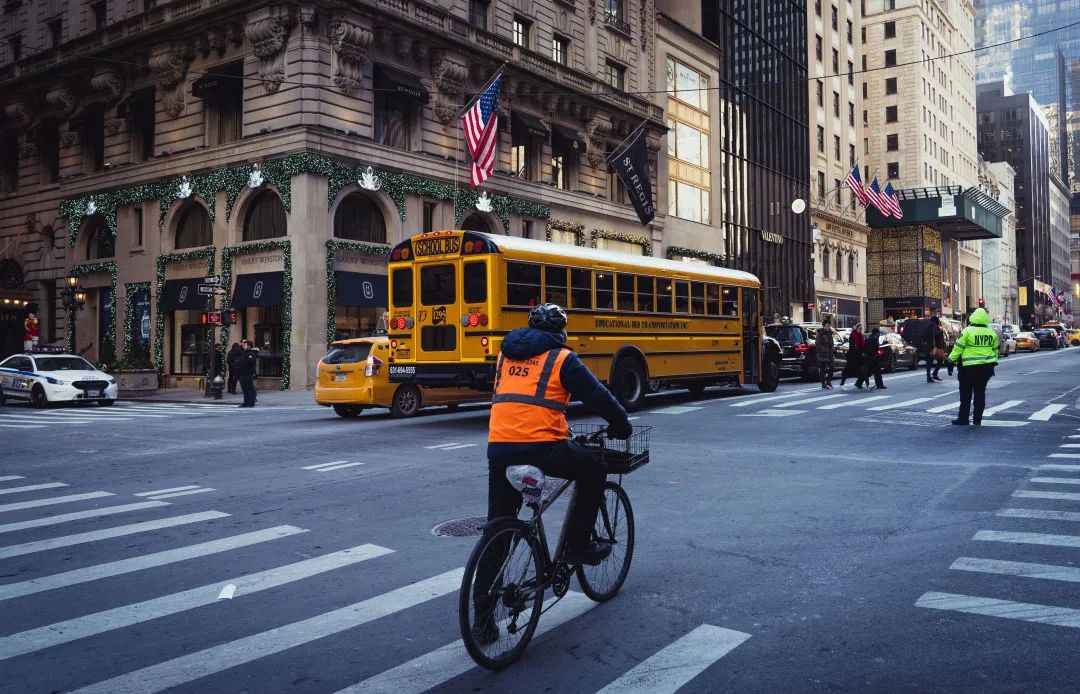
[
  {"x": 644, "y": 241},
  {"x": 130, "y": 290},
  {"x": 714, "y": 258},
  {"x": 110, "y": 335},
  {"x": 332, "y": 247},
  {"x": 159, "y": 283},
  {"x": 286, "y": 300},
  {"x": 561, "y": 225}
]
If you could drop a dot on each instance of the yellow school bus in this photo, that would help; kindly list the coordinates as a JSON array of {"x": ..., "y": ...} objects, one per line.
[{"x": 632, "y": 319}]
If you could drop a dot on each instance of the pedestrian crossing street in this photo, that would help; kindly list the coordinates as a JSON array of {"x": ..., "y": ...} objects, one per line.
[
  {"x": 79, "y": 615},
  {"x": 26, "y": 417}
]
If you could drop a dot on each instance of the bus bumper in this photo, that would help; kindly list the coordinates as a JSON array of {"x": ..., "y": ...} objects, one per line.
[{"x": 447, "y": 375}]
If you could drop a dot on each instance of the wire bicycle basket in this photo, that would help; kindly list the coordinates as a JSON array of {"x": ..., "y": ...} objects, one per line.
[{"x": 620, "y": 456}]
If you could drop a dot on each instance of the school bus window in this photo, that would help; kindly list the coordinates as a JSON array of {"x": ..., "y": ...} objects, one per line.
[
  {"x": 663, "y": 295},
  {"x": 605, "y": 290},
  {"x": 712, "y": 299},
  {"x": 437, "y": 285},
  {"x": 580, "y": 288},
  {"x": 555, "y": 285},
  {"x": 682, "y": 297},
  {"x": 624, "y": 286},
  {"x": 729, "y": 305},
  {"x": 645, "y": 289},
  {"x": 475, "y": 276},
  {"x": 697, "y": 298},
  {"x": 522, "y": 284},
  {"x": 402, "y": 281}
]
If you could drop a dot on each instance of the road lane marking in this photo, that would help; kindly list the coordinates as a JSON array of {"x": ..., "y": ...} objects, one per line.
[
  {"x": 22, "y": 426},
  {"x": 677, "y": 664},
  {"x": 1003, "y": 423},
  {"x": 101, "y": 622},
  {"x": 1046, "y": 413},
  {"x": 1018, "y": 568},
  {"x": 452, "y": 446},
  {"x": 31, "y": 487},
  {"x": 756, "y": 399},
  {"x": 8, "y": 478},
  {"x": 458, "y": 446},
  {"x": 1028, "y": 538},
  {"x": 219, "y": 658},
  {"x": 166, "y": 491},
  {"x": 79, "y": 515},
  {"x": 944, "y": 408},
  {"x": 676, "y": 409},
  {"x": 807, "y": 401},
  {"x": 1064, "y": 455},
  {"x": 897, "y": 405},
  {"x": 338, "y": 467},
  {"x": 321, "y": 465},
  {"x": 853, "y": 402},
  {"x": 146, "y": 561},
  {"x": 201, "y": 490},
  {"x": 39, "y": 418},
  {"x": 19, "y": 506},
  {"x": 1007, "y": 609},
  {"x": 1029, "y": 494},
  {"x": 441, "y": 665},
  {"x": 1041, "y": 514},
  {"x": 772, "y": 413},
  {"x": 1053, "y": 466},
  {"x": 19, "y": 550},
  {"x": 1069, "y": 445},
  {"x": 1008, "y": 404},
  {"x": 1055, "y": 480}
]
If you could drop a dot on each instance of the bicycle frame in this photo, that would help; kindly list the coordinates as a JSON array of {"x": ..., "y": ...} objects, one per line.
[{"x": 537, "y": 523}]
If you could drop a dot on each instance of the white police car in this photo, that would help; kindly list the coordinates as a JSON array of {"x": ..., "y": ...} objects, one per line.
[{"x": 48, "y": 378}]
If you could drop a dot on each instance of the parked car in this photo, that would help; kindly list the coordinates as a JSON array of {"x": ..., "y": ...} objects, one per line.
[
  {"x": 1006, "y": 344},
  {"x": 1074, "y": 337},
  {"x": 1060, "y": 332},
  {"x": 798, "y": 356},
  {"x": 1010, "y": 329},
  {"x": 1027, "y": 342},
  {"x": 1048, "y": 338},
  {"x": 895, "y": 352},
  {"x": 45, "y": 379}
]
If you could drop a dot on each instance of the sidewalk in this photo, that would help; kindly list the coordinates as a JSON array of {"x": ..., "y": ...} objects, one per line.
[{"x": 268, "y": 398}]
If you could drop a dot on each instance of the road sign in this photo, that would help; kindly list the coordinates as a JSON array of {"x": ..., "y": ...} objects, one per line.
[
  {"x": 212, "y": 279},
  {"x": 210, "y": 289}
]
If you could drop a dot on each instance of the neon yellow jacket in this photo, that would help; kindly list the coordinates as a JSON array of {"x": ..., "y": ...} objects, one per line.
[{"x": 978, "y": 344}]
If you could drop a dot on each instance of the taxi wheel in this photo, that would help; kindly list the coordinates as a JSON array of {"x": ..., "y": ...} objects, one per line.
[
  {"x": 406, "y": 402},
  {"x": 38, "y": 398},
  {"x": 347, "y": 411}
]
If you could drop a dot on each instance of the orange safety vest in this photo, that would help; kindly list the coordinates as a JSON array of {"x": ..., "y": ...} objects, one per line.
[{"x": 529, "y": 402}]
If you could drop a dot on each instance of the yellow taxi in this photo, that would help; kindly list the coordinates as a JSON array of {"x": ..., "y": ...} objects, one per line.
[
  {"x": 1027, "y": 342},
  {"x": 1074, "y": 337},
  {"x": 353, "y": 377}
]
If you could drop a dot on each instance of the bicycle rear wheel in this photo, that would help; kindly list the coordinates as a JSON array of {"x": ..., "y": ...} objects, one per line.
[
  {"x": 614, "y": 526},
  {"x": 501, "y": 595}
]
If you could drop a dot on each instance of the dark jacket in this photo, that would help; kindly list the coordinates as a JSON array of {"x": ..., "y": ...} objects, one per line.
[
  {"x": 523, "y": 343},
  {"x": 246, "y": 362},
  {"x": 870, "y": 350},
  {"x": 231, "y": 355}
]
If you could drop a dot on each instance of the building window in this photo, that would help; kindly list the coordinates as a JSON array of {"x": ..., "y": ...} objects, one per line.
[
  {"x": 522, "y": 29},
  {"x": 817, "y": 7},
  {"x": 891, "y": 114},
  {"x": 890, "y": 30},
  {"x": 265, "y": 218},
  {"x": 835, "y": 18},
  {"x": 821, "y": 183},
  {"x": 820, "y": 139},
  {"x": 836, "y": 147},
  {"x": 521, "y": 156},
  {"x": 890, "y": 58},
  {"x": 48, "y": 141},
  {"x": 55, "y": 28},
  {"x": 564, "y": 158},
  {"x": 15, "y": 43},
  {"x": 851, "y": 261},
  {"x": 894, "y": 169},
  {"x": 851, "y": 155},
  {"x": 91, "y": 129},
  {"x": 851, "y": 114},
  {"x": 892, "y": 142},
  {"x": 9, "y": 162},
  {"x": 193, "y": 228},
  {"x": 820, "y": 94},
  {"x": 393, "y": 119},
  {"x": 222, "y": 94},
  {"x": 140, "y": 114},
  {"x": 850, "y": 73},
  {"x": 850, "y": 32},
  {"x": 358, "y": 218},
  {"x": 890, "y": 85},
  {"x": 836, "y": 104},
  {"x": 100, "y": 242},
  {"x": 478, "y": 13},
  {"x": 862, "y": 34},
  {"x": 429, "y": 216},
  {"x": 835, "y": 61},
  {"x": 136, "y": 227},
  {"x": 825, "y": 258},
  {"x": 613, "y": 9},
  {"x": 839, "y": 267},
  {"x": 97, "y": 15},
  {"x": 560, "y": 50},
  {"x": 819, "y": 48},
  {"x": 615, "y": 75},
  {"x": 689, "y": 186}
]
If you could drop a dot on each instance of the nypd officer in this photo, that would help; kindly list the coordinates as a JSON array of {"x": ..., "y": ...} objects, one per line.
[{"x": 975, "y": 353}]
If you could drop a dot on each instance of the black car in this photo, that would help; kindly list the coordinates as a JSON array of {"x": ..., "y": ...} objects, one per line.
[
  {"x": 1047, "y": 337},
  {"x": 895, "y": 352},
  {"x": 913, "y": 330},
  {"x": 798, "y": 356}
]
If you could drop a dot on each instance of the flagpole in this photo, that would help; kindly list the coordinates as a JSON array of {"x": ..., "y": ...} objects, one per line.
[
  {"x": 629, "y": 137},
  {"x": 483, "y": 89}
]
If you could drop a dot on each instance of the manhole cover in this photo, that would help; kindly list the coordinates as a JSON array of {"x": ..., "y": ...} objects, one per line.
[{"x": 472, "y": 526}]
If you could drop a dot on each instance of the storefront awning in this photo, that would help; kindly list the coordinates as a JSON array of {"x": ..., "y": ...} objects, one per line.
[
  {"x": 181, "y": 295},
  {"x": 361, "y": 289},
  {"x": 259, "y": 289},
  {"x": 569, "y": 136},
  {"x": 404, "y": 83},
  {"x": 527, "y": 124}
]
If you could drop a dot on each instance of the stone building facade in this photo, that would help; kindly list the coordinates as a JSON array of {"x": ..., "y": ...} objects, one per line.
[{"x": 999, "y": 255}]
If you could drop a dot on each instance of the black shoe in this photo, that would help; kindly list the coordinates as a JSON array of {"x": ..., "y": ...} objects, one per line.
[
  {"x": 882, "y": 388},
  {"x": 592, "y": 553},
  {"x": 930, "y": 380},
  {"x": 938, "y": 378},
  {"x": 485, "y": 631},
  {"x": 977, "y": 422},
  {"x": 245, "y": 406},
  {"x": 960, "y": 422}
]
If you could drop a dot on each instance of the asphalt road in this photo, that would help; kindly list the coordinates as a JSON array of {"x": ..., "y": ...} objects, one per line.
[{"x": 799, "y": 541}]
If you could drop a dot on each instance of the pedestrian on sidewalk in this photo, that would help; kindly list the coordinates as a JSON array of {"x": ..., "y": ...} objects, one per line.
[
  {"x": 246, "y": 362},
  {"x": 975, "y": 355},
  {"x": 825, "y": 343},
  {"x": 231, "y": 361},
  {"x": 873, "y": 358},
  {"x": 934, "y": 341},
  {"x": 853, "y": 366}
]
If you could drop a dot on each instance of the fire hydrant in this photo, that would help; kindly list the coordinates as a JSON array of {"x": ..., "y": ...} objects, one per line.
[{"x": 217, "y": 386}]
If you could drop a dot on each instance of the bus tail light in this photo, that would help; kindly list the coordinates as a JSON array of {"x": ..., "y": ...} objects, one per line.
[
  {"x": 483, "y": 319},
  {"x": 474, "y": 320},
  {"x": 373, "y": 365},
  {"x": 401, "y": 323},
  {"x": 471, "y": 320},
  {"x": 465, "y": 321},
  {"x": 393, "y": 344},
  {"x": 483, "y": 342}
]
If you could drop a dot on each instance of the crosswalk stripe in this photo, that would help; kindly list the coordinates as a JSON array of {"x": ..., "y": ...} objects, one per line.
[
  {"x": 322, "y": 465},
  {"x": 166, "y": 491},
  {"x": 1074, "y": 436},
  {"x": 1009, "y": 423},
  {"x": 338, "y": 467},
  {"x": 146, "y": 561},
  {"x": 1064, "y": 468},
  {"x": 216, "y": 659},
  {"x": 1007, "y": 609},
  {"x": 755, "y": 400},
  {"x": 31, "y": 487},
  {"x": 1018, "y": 568},
  {"x": 1029, "y": 494},
  {"x": 1064, "y": 455},
  {"x": 853, "y": 402},
  {"x": 1028, "y": 538},
  {"x": 443, "y": 664},
  {"x": 21, "y": 505},
  {"x": 1069, "y": 445},
  {"x": 772, "y": 413},
  {"x": 458, "y": 446},
  {"x": 1008, "y": 404},
  {"x": 807, "y": 401},
  {"x": 22, "y": 426},
  {"x": 38, "y": 418},
  {"x": 676, "y": 409},
  {"x": 1055, "y": 480},
  {"x": 190, "y": 491},
  {"x": 443, "y": 445},
  {"x": 676, "y": 664},
  {"x": 944, "y": 408},
  {"x": 108, "y": 414},
  {"x": 897, "y": 405},
  {"x": 79, "y": 515},
  {"x": 1041, "y": 514},
  {"x": 1046, "y": 413},
  {"x": 106, "y": 534},
  {"x": 127, "y": 615},
  {"x": 9, "y": 478}
]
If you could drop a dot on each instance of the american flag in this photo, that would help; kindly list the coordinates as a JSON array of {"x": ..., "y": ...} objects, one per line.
[
  {"x": 481, "y": 124},
  {"x": 854, "y": 181},
  {"x": 889, "y": 195},
  {"x": 877, "y": 198}
]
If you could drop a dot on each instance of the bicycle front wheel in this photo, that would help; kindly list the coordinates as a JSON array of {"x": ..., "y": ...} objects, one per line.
[
  {"x": 501, "y": 595},
  {"x": 614, "y": 526}
]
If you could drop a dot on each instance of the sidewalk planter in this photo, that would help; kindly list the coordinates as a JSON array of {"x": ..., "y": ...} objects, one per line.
[{"x": 137, "y": 381}]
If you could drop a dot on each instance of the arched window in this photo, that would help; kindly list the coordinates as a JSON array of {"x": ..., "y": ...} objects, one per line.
[
  {"x": 839, "y": 265},
  {"x": 825, "y": 263},
  {"x": 851, "y": 268},
  {"x": 100, "y": 242},
  {"x": 475, "y": 222},
  {"x": 265, "y": 218},
  {"x": 193, "y": 228},
  {"x": 358, "y": 218}
]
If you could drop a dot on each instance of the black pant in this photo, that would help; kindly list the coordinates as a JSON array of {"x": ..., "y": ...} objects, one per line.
[
  {"x": 874, "y": 368},
  {"x": 247, "y": 384},
  {"x": 233, "y": 379},
  {"x": 935, "y": 363},
  {"x": 973, "y": 380}
]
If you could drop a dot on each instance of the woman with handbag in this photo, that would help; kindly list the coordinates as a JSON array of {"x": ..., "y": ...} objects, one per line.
[{"x": 935, "y": 356}]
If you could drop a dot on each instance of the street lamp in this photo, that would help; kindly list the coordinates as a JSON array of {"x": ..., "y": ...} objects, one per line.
[{"x": 73, "y": 297}]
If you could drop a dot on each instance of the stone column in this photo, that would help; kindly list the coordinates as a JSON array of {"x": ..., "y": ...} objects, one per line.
[{"x": 309, "y": 230}]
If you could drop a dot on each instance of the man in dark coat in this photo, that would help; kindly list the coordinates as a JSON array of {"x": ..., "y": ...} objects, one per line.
[
  {"x": 233, "y": 364},
  {"x": 246, "y": 371},
  {"x": 873, "y": 360}
]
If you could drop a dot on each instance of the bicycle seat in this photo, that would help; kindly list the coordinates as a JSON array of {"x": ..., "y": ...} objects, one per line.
[{"x": 527, "y": 479}]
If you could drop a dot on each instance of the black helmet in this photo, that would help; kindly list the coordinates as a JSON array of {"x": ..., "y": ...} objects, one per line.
[{"x": 548, "y": 317}]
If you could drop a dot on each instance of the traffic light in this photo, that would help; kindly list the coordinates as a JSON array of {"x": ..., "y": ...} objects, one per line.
[{"x": 982, "y": 302}]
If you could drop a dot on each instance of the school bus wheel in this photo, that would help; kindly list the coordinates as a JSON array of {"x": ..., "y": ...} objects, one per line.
[
  {"x": 406, "y": 402},
  {"x": 628, "y": 383}
]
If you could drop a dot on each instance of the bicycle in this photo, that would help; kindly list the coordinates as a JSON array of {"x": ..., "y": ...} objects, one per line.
[{"x": 514, "y": 552}]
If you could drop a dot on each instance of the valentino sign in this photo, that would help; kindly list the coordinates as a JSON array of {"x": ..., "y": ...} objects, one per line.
[{"x": 772, "y": 237}]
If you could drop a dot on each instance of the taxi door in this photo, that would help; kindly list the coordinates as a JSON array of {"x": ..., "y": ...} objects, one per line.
[{"x": 438, "y": 312}]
